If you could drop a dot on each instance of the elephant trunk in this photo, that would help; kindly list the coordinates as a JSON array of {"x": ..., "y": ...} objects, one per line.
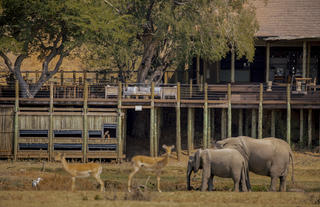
[{"x": 189, "y": 172}]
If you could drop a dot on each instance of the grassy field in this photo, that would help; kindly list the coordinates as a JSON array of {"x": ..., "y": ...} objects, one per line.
[{"x": 54, "y": 190}]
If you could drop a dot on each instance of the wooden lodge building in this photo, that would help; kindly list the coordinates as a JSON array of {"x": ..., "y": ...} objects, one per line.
[{"x": 91, "y": 115}]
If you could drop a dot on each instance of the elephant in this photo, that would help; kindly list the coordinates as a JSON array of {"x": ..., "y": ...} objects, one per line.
[
  {"x": 226, "y": 163},
  {"x": 268, "y": 156}
]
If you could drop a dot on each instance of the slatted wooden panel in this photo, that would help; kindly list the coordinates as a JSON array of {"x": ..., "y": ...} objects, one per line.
[
  {"x": 6, "y": 131},
  {"x": 61, "y": 122},
  {"x": 96, "y": 122},
  {"x": 33, "y": 122}
]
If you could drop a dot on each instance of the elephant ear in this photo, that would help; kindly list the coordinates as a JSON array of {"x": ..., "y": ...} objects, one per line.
[{"x": 197, "y": 161}]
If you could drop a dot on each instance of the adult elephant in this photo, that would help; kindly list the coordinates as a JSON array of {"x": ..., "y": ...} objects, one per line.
[
  {"x": 226, "y": 163},
  {"x": 269, "y": 156}
]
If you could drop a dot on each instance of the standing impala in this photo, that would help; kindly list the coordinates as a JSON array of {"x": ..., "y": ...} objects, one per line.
[
  {"x": 154, "y": 164},
  {"x": 78, "y": 170}
]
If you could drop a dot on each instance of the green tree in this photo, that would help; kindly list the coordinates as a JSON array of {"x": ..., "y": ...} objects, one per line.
[
  {"x": 50, "y": 29},
  {"x": 173, "y": 31}
]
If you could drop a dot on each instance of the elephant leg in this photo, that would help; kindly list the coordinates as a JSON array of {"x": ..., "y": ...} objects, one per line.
[
  {"x": 283, "y": 184},
  {"x": 205, "y": 179},
  {"x": 273, "y": 183},
  {"x": 210, "y": 183},
  {"x": 236, "y": 184}
]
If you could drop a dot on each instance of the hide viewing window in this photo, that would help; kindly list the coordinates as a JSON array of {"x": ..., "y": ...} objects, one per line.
[
  {"x": 112, "y": 128},
  {"x": 33, "y": 146},
  {"x": 95, "y": 134},
  {"x": 68, "y": 133},
  {"x": 34, "y": 133},
  {"x": 67, "y": 146}
]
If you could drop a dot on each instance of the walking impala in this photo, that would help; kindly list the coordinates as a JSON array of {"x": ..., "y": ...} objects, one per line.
[
  {"x": 154, "y": 164},
  {"x": 78, "y": 170}
]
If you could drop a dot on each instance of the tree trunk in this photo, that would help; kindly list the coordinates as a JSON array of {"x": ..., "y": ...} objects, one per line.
[{"x": 145, "y": 66}]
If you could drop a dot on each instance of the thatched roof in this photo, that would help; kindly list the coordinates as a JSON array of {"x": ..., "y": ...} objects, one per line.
[{"x": 288, "y": 19}]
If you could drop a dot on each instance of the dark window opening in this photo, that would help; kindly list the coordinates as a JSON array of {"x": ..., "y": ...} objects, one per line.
[
  {"x": 110, "y": 130},
  {"x": 33, "y": 133},
  {"x": 68, "y": 133},
  {"x": 58, "y": 146},
  {"x": 95, "y": 134},
  {"x": 102, "y": 147},
  {"x": 33, "y": 146}
]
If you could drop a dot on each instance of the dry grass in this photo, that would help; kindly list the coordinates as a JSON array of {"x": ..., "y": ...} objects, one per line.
[{"x": 54, "y": 190}]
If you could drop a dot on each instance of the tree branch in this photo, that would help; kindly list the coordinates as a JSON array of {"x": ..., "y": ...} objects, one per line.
[
  {"x": 117, "y": 10},
  {"x": 7, "y": 61}
]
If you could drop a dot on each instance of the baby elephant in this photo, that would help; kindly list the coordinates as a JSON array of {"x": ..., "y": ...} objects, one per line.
[{"x": 226, "y": 163}]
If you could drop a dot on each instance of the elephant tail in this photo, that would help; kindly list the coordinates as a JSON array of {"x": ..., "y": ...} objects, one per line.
[{"x": 292, "y": 170}]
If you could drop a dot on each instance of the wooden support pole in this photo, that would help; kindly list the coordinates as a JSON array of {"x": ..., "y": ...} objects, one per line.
[
  {"x": 152, "y": 123},
  {"x": 223, "y": 123},
  {"x": 267, "y": 62},
  {"x": 16, "y": 121},
  {"x": 85, "y": 122},
  {"x": 254, "y": 123},
  {"x": 304, "y": 59},
  {"x": 229, "y": 112},
  {"x": 310, "y": 128},
  {"x": 212, "y": 122},
  {"x": 308, "y": 60},
  {"x": 209, "y": 129},
  {"x": 205, "y": 117},
  {"x": 247, "y": 122},
  {"x": 50, "y": 144},
  {"x": 260, "y": 112},
  {"x": 190, "y": 129},
  {"x": 233, "y": 60},
  {"x": 301, "y": 128},
  {"x": 289, "y": 114},
  {"x": 240, "y": 123},
  {"x": 119, "y": 124},
  {"x": 273, "y": 123},
  {"x": 157, "y": 131},
  {"x": 178, "y": 123}
]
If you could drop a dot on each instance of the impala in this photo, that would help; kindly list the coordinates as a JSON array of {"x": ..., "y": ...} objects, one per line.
[
  {"x": 154, "y": 164},
  {"x": 78, "y": 170}
]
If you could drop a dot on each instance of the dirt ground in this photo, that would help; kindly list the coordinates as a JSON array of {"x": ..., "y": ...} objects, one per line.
[{"x": 54, "y": 190}]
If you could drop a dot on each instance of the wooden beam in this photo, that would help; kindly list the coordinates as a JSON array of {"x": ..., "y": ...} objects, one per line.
[
  {"x": 85, "y": 122},
  {"x": 152, "y": 123},
  {"x": 233, "y": 60},
  {"x": 254, "y": 123},
  {"x": 260, "y": 112},
  {"x": 304, "y": 59},
  {"x": 190, "y": 129},
  {"x": 289, "y": 114},
  {"x": 240, "y": 122},
  {"x": 301, "y": 128},
  {"x": 119, "y": 124},
  {"x": 178, "y": 123},
  {"x": 223, "y": 123},
  {"x": 267, "y": 62},
  {"x": 16, "y": 121},
  {"x": 50, "y": 144},
  {"x": 310, "y": 128},
  {"x": 229, "y": 112},
  {"x": 209, "y": 129},
  {"x": 205, "y": 118}
]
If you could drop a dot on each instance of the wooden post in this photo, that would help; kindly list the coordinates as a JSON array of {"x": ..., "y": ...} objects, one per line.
[
  {"x": 301, "y": 128},
  {"x": 310, "y": 128},
  {"x": 178, "y": 123},
  {"x": 254, "y": 123},
  {"x": 212, "y": 122},
  {"x": 304, "y": 59},
  {"x": 190, "y": 129},
  {"x": 308, "y": 60},
  {"x": 273, "y": 123},
  {"x": 233, "y": 60},
  {"x": 205, "y": 117},
  {"x": 74, "y": 78},
  {"x": 260, "y": 112},
  {"x": 152, "y": 123},
  {"x": 223, "y": 123},
  {"x": 119, "y": 124},
  {"x": 289, "y": 114},
  {"x": 50, "y": 144},
  {"x": 247, "y": 122},
  {"x": 267, "y": 62},
  {"x": 85, "y": 122},
  {"x": 157, "y": 130},
  {"x": 240, "y": 122},
  {"x": 16, "y": 121},
  {"x": 229, "y": 112},
  {"x": 209, "y": 129}
]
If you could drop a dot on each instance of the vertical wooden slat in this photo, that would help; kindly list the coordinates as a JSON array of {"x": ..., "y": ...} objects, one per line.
[
  {"x": 152, "y": 123},
  {"x": 85, "y": 122},
  {"x": 304, "y": 59},
  {"x": 240, "y": 122},
  {"x": 254, "y": 123},
  {"x": 209, "y": 129},
  {"x": 119, "y": 124},
  {"x": 212, "y": 122},
  {"x": 301, "y": 128},
  {"x": 16, "y": 121},
  {"x": 50, "y": 147},
  {"x": 223, "y": 123},
  {"x": 178, "y": 123},
  {"x": 229, "y": 112},
  {"x": 289, "y": 114},
  {"x": 233, "y": 60},
  {"x": 260, "y": 112},
  {"x": 309, "y": 128},
  {"x": 205, "y": 117}
]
